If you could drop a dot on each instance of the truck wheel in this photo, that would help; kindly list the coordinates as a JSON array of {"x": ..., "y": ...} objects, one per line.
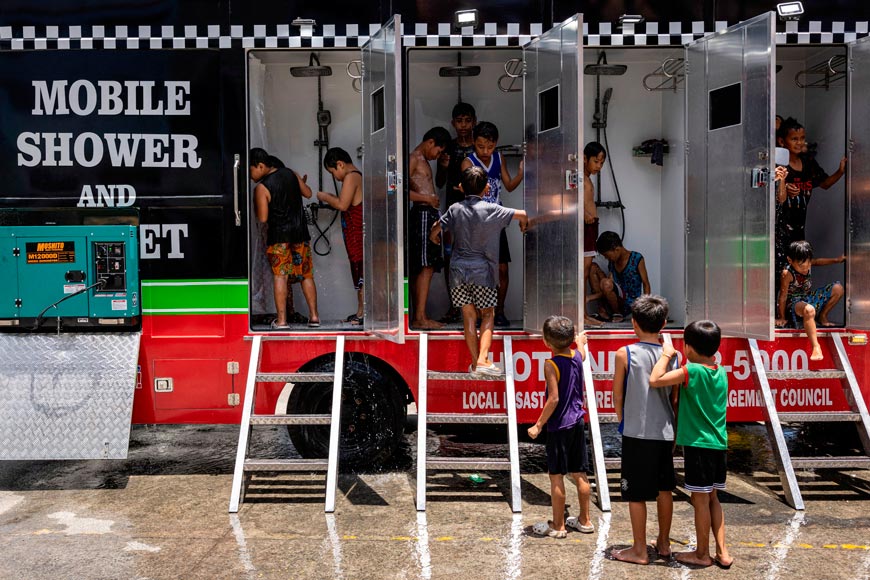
[{"x": 373, "y": 412}]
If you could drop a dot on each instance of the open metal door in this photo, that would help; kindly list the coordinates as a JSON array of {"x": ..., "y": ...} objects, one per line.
[
  {"x": 553, "y": 175},
  {"x": 858, "y": 187},
  {"x": 382, "y": 183},
  {"x": 729, "y": 202}
]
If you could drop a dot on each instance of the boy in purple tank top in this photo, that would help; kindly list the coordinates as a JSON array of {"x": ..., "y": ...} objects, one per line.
[{"x": 563, "y": 415}]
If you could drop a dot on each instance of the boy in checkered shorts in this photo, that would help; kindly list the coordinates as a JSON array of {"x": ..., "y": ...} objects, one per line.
[{"x": 476, "y": 226}]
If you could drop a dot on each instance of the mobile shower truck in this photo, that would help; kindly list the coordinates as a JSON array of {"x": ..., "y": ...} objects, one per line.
[{"x": 119, "y": 125}]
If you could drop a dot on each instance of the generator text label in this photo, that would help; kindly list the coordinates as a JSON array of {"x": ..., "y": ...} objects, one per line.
[{"x": 50, "y": 252}]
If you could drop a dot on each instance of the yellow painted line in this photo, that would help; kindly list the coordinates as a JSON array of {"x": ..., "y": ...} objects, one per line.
[
  {"x": 485, "y": 539},
  {"x": 807, "y": 546},
  {"x": 349, "y": 537},
  {"x": 831, "y": 546},
  {"x": 752, "y": 544},
  {"x": 444, "y": 539},
  {"x": 402, "y": 538}
]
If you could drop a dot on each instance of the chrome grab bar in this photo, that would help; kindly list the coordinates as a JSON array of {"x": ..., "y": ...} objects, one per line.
[{"x": 236, "y": 163}]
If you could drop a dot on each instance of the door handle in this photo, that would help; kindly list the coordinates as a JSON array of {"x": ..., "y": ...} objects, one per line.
[
  {"x": 760, "y": 177},
  {"x": 236, "y": 163}
]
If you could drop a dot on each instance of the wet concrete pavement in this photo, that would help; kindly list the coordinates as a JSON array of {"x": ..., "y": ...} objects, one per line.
[{"x": 162, "y": 513}]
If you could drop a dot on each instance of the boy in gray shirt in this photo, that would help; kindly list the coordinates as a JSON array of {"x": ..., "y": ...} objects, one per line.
[
  {"x": 476, "y": 227},
  {"x": 646, "y": 421}
]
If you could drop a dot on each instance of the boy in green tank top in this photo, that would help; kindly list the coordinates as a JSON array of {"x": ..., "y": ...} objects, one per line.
[{"x": 701, "y": 432}]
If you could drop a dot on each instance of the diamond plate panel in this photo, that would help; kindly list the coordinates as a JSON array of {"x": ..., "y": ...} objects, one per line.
[{"x": 67, "y": 396}]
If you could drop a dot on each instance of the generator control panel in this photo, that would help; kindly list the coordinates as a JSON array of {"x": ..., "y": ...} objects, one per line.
[{"x": 76, "y": 276}]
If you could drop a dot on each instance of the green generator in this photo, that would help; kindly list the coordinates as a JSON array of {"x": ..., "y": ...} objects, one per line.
[{"x": 74, "y": 276}]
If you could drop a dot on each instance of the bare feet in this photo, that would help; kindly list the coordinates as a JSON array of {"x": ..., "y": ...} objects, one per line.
[
  {"x": 723, "y": 561},
  {"x": 692, "y": 559},
  {"x": 664, "y": 552},
  {"x": 817, "y": 353},
  {"x": 824, "y": 322},
  {"x": 427, "y": 324},
  {"x": 631, "y": 556}
]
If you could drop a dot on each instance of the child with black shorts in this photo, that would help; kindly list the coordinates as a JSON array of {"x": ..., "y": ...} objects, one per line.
[
  {"x": 702, "y": 434},
  {"x": 646, "y": 421},
  {"x": 563, "y": 415}
]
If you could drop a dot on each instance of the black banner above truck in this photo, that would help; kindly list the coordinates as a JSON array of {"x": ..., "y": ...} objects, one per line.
[{"x": 110, "y": 128}]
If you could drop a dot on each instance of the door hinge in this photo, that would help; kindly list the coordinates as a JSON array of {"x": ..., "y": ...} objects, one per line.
[
  {"x": 851, "y": 145},
  {"x": 688, "y": 228},
  {"x": 16, "y": 252},
  {"x": 18, "y": 303},
  {"x": 232, "y": 367}
]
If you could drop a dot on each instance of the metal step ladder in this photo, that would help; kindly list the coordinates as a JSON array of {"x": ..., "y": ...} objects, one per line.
[
  {"x": 601, "y": 463},
  {"x": 424, "y": 419},
  {"x": 773, "y": 419},
  {"x": 244, "y": 465}
]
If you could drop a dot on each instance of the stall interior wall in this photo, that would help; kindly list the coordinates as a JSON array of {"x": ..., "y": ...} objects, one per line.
[
  {"x": 823, "y": 113},
  {"x": 430, "y": 102},
  {"x": 654, "y": 196},
  {"x": 282, "y": 119}
]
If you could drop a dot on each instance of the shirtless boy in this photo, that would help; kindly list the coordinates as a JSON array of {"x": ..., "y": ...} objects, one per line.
[{"x": 424, "y": 253}]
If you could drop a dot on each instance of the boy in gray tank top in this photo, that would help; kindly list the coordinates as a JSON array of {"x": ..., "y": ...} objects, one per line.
[{"x": 646, "y": 421}]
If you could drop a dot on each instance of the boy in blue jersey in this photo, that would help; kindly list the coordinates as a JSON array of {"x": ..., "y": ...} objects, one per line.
[
  {"x": 702, "y": 433},
  {"x": 485, "y": 156},
  {"x": 646, "y": 421},
  {"x": 563, "y": 416}
]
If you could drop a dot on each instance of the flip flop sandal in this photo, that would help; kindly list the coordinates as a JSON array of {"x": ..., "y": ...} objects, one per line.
[
  {"x": 314, "y": 324},
  {"x": 276, "y": 326},
  {"x": 354, "y": 319}
]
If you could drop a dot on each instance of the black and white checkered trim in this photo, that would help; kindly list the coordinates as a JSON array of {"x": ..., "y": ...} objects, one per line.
[{"x": 94, "y": 37}]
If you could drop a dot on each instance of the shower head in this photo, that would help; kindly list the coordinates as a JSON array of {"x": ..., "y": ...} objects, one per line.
[
  {"x": 312, "y": 70},
  {"x": 607, "y": 94},
  {"x": 601, "y": 68},
  {"x": 459, "y": 71}
]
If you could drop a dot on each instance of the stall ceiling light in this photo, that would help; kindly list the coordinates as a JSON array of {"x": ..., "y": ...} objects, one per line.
[
  {"x": 463, "y": 18},
  {"x": 790, "y": 10}
]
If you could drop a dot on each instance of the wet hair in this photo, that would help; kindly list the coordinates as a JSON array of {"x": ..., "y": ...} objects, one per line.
[
  {"x": 486, "y": 130},
  {"x": 789, "y": 124},
  {"x": 650, "y": 311},
  {"x": 463, "y": 109},
  {"x": 333, "y": 156},
  {"x": 607, "y": 241},
  {"x": 703, "y": 336},
  {"x": 474, "y": 180},
  {"x": 559, "y": 331},
  {"x": 275, "y": 163},
  {"x": 799, "y": 251},
  {"x": 257, "y": 156},
  {"x": 594, "y": 149},
  {"x": 439, "y": 135}
]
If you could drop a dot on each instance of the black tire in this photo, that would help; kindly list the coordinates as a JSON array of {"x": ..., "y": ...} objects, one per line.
[{"x": 373, "y": 412}]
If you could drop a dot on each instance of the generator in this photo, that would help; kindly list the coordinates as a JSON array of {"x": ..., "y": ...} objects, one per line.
[{"x": 75, "y": 277}]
